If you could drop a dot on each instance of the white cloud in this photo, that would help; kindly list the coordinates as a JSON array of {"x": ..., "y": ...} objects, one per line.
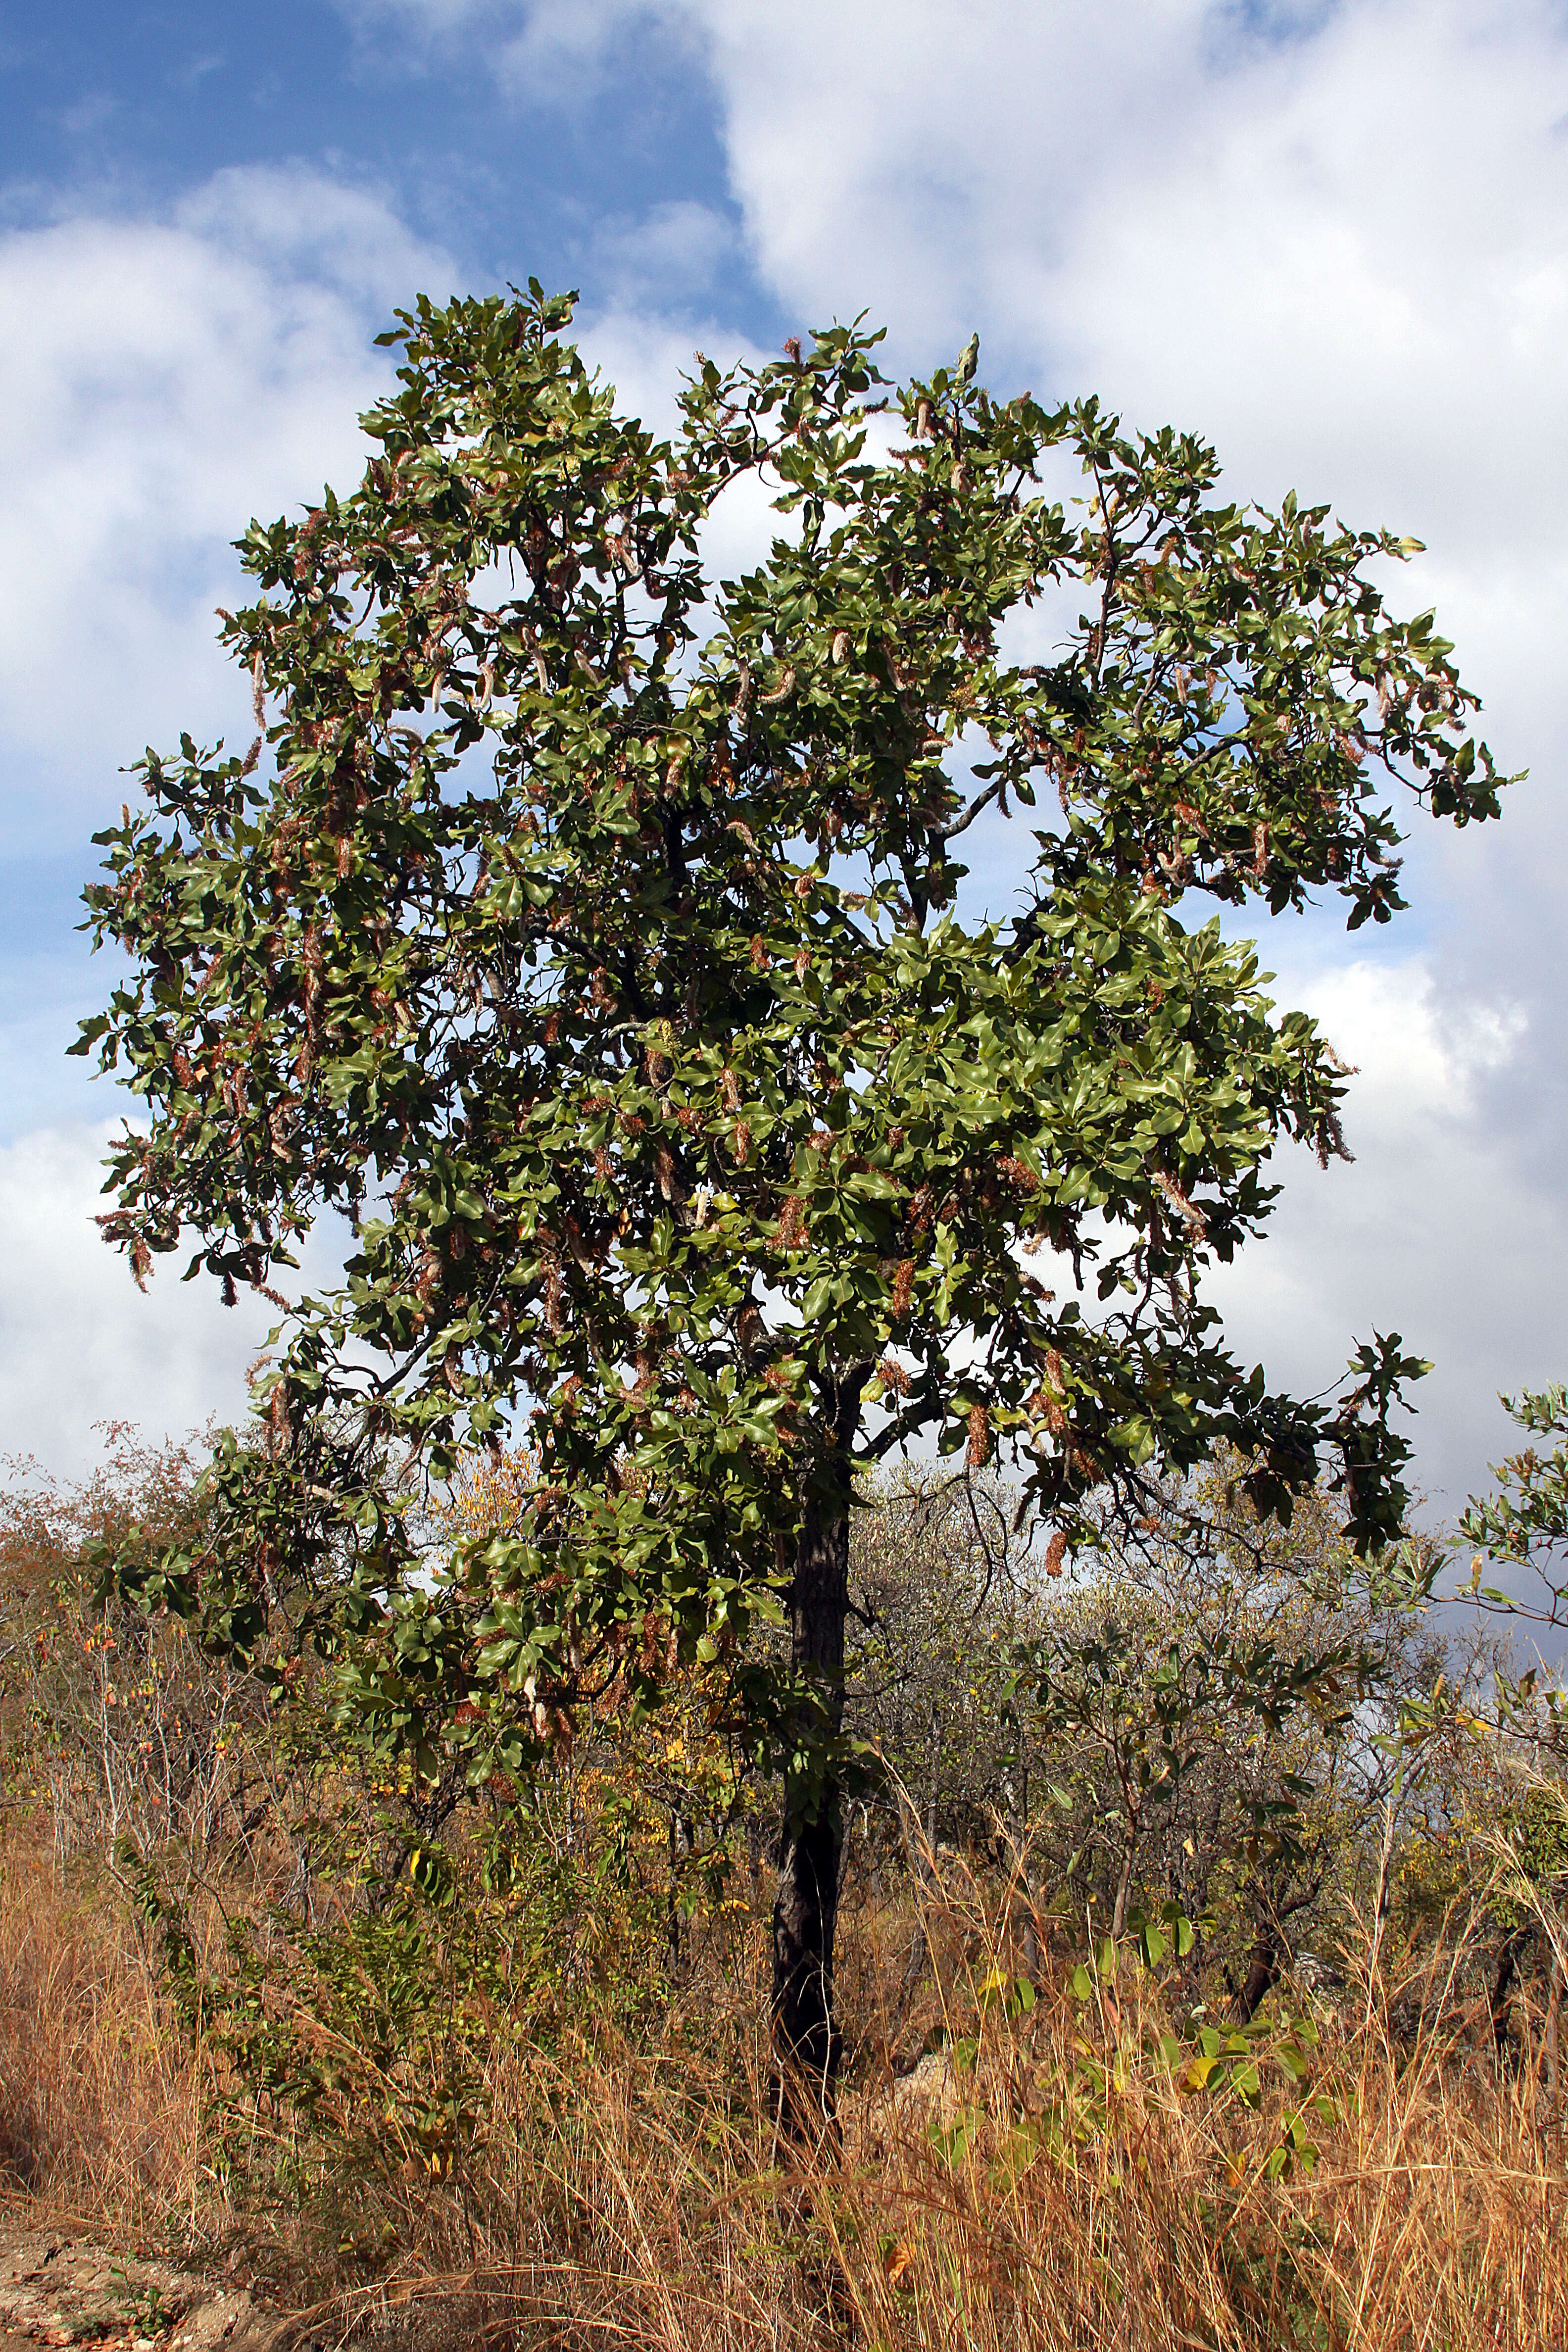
[
  {"x": 1435, "y": 1231},
  {"x": 1334, "y": 237},
  {"x": 166, "y": 380},
  {"x": 669, "y": 255},
  {"x": 557, "y": 48},
  {"x": 79, "y": 1344},
  {"x": 161, "y": 381}
]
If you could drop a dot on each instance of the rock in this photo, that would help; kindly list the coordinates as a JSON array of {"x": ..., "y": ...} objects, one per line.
[
  {"x": 902, "y": 2106},
  {"x": 227, "y": 2323},
  {"x": 928, "y": 2093},
  {"x": 68, "y": 2292}
]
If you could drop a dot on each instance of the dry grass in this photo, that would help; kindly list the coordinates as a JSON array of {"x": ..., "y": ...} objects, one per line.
[
  {"x": 99, "y": 2098},
  {"x": 1054, "y": 2188}
]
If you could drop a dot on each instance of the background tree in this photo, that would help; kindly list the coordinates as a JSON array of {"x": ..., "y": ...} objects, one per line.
[
  {"x": 1523, "y": 1525},
  {"x": 119, "y": 1724},
  {"x": 590, "y": 941},
  {"x": 1225, "y": 1694},
  {"x": 1524, "y": 1521},
  {"x": 1206, "y": 1712},
  {"x": 943, "y": 1582}
]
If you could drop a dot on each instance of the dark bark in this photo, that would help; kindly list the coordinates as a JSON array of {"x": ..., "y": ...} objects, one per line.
[
  {"x": 1501, "y": 2002},
  {"x": 1262, "y": 1975},
  {"x": 1269, "y": 1948},
  {"x": 806, "y": 1907}
]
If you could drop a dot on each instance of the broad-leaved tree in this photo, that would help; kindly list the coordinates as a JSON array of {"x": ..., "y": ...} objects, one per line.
[{"x": 588, "y": 933}]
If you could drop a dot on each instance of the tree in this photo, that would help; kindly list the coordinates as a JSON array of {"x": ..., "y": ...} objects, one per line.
[
  {"x": 942, "y": 1585},
  {"x": 1524, "y": 1523},
  {"x": 1217, "y": 1691},
  {"x": 117, "y": 1722},
  {"x": 590, "y": 942}
]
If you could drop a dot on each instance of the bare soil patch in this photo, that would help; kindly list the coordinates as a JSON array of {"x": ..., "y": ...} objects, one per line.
[{"x": 58, "y": 2289}]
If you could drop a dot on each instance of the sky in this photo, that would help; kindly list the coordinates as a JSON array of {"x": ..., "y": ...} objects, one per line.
[{"x": 1334, "y": 238}]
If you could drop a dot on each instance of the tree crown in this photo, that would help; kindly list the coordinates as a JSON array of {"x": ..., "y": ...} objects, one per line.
[{"x": 590, "y": 939}]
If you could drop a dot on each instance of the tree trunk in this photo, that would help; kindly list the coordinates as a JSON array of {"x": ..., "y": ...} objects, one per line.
[
  {"x": 1549, "y": 2039},
  {"x": 1123, "y": 1886},
  {"x": 1502, "y": 2002},
  {"x": 806, "y": 1907},
  {"x": 1262, "y": 1974}
]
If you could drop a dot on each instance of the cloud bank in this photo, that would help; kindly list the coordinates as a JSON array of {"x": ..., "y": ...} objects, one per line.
[
  {"x": 1333, "y": 237},
  {"x": 167, "y": 379}
]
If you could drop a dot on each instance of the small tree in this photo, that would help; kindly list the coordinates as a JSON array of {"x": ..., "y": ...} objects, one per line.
[
  {"x": 1524, "y": 1522},
  {"x": 1216, "y": 1691},
  {"x": 590, "y": 943},
  {"x": 940, "y": 1588}
]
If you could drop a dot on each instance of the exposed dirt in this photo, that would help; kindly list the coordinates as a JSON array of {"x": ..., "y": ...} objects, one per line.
[{"x": 58, "y": 2289}]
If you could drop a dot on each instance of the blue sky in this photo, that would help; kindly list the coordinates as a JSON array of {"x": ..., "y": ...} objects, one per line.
[
  {"x": 121, "y": 113},
  {"x": 134, "y": 106},
  {"x": 1332, "y": 237}
]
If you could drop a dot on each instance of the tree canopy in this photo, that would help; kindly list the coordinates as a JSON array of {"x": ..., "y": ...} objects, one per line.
[{"x": 587, "y": 932}]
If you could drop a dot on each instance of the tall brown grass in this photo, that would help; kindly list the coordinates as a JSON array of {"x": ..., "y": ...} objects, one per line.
[
  {"x": 1041, "y": 2179},
  {"x": 100, "y": 2101}
]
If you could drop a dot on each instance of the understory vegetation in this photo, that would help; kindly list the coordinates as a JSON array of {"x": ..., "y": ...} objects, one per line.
[{"x": 1202, "y": 1922}]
